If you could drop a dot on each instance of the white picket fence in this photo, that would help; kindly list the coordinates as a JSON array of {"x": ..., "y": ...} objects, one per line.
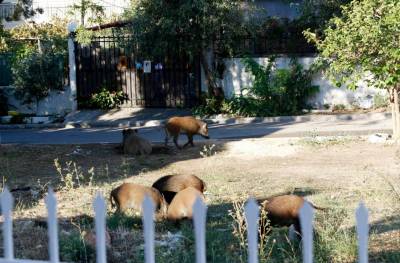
[{"x": 200, "y": 211}]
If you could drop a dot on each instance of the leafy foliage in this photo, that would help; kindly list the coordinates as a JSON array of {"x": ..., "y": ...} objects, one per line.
[
  {"x": 365, "y": 39},
  {"x": 23, "y": 9},
  {"x": 106, "y": 99},
  {"x": 274, "y": 92},
  {"x": 53, "y": 38},
  {"x": 87, "y": 8},
  {"x": 36, "y": 74},
  {"x": 315, "y": 14},
  {"x": 188, "y": 26}
]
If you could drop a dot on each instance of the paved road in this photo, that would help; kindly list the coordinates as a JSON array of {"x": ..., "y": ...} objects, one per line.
[{"x": 217, "y": 131}]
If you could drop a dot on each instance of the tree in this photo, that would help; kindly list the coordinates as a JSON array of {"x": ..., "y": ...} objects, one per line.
[
  {"x": 364, "y": 44},
  {"x": 23, "y": 9},
  {"x": 160, "y": 27},
  {"x": 85, "y": 8}
]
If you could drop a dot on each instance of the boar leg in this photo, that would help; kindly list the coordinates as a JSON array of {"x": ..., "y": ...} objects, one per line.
[
  {"x": 166, "y": 137},
  {"x": 176, "y": 142},
  {"x": 190, "y": 141}
]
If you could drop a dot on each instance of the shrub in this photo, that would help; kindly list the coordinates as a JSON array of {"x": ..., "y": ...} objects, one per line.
[
  {"x": 380, "y": 101},
  {"x": 36, "y": 74},
  {"x": 209, "y": 105},
  {"x": 274, "y": 92},
  {"x": 280, "y": 91},
  {"x": 106, "y": 99},
  {"x": 72, "y": 176}
]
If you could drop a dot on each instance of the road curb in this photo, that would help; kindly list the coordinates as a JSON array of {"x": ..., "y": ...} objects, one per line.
[{"x": 213, "y": 120}]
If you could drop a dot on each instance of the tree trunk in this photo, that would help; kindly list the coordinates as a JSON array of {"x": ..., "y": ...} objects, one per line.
[
  {"x": 210, "y": 81},
  {"x": 395, "y": 106}
]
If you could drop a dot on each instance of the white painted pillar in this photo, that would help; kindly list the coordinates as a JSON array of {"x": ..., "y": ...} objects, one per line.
[{"x": 72, "y": 66}]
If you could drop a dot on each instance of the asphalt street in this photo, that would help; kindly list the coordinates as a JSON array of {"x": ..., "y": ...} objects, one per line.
[{"x": 217, "y": 131}]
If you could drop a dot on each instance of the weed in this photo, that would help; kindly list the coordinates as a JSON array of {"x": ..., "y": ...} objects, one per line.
[
  {"x": 72, "y": 176},
  {"x": 338, "y": 107},
  {"x": 74, "y": 249},
  {"x": 208, "y": 150},
  {"x": 266, "y": 243}
]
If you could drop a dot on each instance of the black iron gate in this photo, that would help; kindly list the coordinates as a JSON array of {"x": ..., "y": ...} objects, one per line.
[{"x": 109, "y": 63}]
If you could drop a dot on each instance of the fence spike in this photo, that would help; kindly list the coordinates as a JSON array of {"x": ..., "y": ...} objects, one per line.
[
  {"x": 7, "y": 204},
  {"x": 148, "y": 229},
  {"x": 252, "y": 214},
  {"x": 306, "y": 221},
  {"x": 99, "y": 206},
  {"x": 362, "y": 232},
  {"x": 51, "y": 203},
  {"x": 199, "y": 220}
]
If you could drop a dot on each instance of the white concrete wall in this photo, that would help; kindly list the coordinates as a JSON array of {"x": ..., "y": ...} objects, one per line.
[
  {"x": 236, "y": 79},
  {"x": 57, "y": 103}
]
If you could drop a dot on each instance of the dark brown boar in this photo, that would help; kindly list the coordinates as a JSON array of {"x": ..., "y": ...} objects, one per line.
[
  {"x": 188, "y": 125},
  {"x": 284, "y": 210}
]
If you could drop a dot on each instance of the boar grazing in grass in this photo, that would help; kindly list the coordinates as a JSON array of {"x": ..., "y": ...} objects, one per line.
[
  {"x": 133, "y": 144},
  {"x": 181, "y": 206},
  {"x": 188, "y": 125},
  {"x": 284, "y": 210},
  {"x": 131, "y": 196},
  {"x": 170, "y": 185}
]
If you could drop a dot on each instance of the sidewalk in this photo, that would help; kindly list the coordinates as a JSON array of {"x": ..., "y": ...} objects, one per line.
[
  {"x": 150, "y": 117},
  {"x": 96, "y": 127}
]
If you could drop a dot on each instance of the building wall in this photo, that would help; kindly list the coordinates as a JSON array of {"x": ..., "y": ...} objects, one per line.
[
  {"x": 57, "y": 103},
  {"x": 236, "y": 79}
]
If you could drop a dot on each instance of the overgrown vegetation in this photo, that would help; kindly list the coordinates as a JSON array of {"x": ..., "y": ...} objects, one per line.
[
  {"x": 72, "y": 175},
  {"x": 36, "y": 74},
  {"x": 363, "y": 44},
  {"x": 274, "y": 92},
  {"x": 106, "y": 99},
  {"x": 37, "y": 54}
]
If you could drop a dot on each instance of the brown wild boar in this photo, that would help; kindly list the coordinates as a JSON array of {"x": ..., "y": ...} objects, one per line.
[
  {"x": 181, "y": 206},
  {"x": 188, "y": 125},
  {"x": 169, "y": 185},
  {"x": 283, "y": 210},
  {"x": 133, "y": 144},
  {"x": 131, "y": 196}
]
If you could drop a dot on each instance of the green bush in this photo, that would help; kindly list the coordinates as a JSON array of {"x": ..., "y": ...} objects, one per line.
[
  {"x": 36, "y": 74},
  {"x": 274, "y": 92},
  {"x": 106, "y": 99},
  {"x": 209, "y": 105}
]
